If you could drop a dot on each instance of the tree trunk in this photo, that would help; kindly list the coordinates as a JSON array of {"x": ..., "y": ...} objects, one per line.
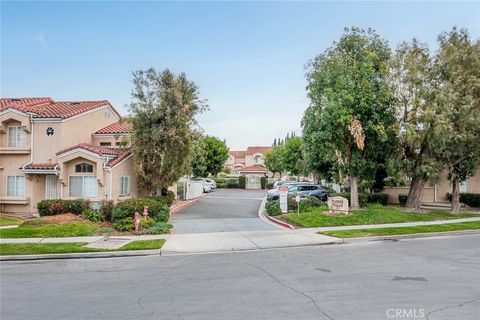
[
  {"x": 415, "y": 194},
  {"x": 354, "y": 193},
  {"x": 455, "y": 194}
]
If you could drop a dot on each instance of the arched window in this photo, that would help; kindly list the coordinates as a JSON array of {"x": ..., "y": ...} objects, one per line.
[
  {"x": 83, "y": 167},
  {"x": 258, "y": 159}
]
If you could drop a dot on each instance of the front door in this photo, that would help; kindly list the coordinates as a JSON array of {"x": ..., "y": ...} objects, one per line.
[
  {"x": 253, "y": 181},
  {"x": 50, "y": 187}
]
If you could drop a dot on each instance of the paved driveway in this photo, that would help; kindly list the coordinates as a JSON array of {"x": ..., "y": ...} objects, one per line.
[{"x": 223, "y": 210}]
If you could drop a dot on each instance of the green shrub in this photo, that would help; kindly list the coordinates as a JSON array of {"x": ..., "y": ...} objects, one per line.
[
  {"x": 362, "y": 197},
  {"x": 470, "y": 199},
  {"x": 263, "y": 182},
  {"x": 313, "y": 201},
  {"x": 106, "y": 207},
  {"x": 306, "y": 203},
  {"x": 232, "y": 184},
  {"x": 270, "y": 185},
  {"x": 380, "y": 198},
  {"x": 221, "y": 185},
  {"x": 157, "y": 209},
  {"x": 125, "y": 224},
  {"x": 273, "y": 208},
  {"x": 402, "y": 199},
  {"x": 59, "y": 206},
  {"x": 242, "y": 182},
  {"x": 157, "y": 228},
  {"x": 92, "y": 215},
  {"x": 330, "y": 191}
]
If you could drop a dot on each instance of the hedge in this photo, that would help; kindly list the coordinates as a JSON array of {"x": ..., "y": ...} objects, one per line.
[
  {"x": 380, "y": 198},
  {"x": 242, "y": 182},
  {"x": 402, "y": 199},
  {"x": 59, "y": 206},
  {"x": 270, "y": 185},
  {"x": 273, "y": 208},
  {"x": 470, "y": 199},
  {"x": 158, "y": 209},
  {"x": 263, "y": 182},
  {"x": 306, "y": 203}
]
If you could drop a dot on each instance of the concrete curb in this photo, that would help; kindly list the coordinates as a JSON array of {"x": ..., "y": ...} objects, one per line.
[
  {"x": 411, "y": 236},
  {"x": 270, "y": 220},
  {"x": 82, "y": 255},
  {"x": 174, "y": 210}
]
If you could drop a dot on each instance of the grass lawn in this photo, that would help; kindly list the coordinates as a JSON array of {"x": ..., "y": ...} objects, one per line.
[
  {"x": 9, "y": 221},
  {"x": 74, "y": 229},
  {"x": 372, "y": 215},
  {"x": 473, "y": 225},
  {"x": 72, "y": 247}
]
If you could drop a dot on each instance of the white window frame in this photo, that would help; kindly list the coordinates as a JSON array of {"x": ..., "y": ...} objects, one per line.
[
  {"x": 16, "y": 194},
  {"x": 464, "y": 187},
  {"x": 124, "y": 180},
  {"x": 83, "y": 187},
  {"x": 17, "y": 143}
]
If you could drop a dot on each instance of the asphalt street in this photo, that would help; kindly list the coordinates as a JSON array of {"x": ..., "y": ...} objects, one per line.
[
  {"x": 222, "y": 210},
  {"x": 431, "y": 278}
]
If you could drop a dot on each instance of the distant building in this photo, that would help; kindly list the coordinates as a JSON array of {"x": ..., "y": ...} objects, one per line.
[{"x": 249, "y": 163}]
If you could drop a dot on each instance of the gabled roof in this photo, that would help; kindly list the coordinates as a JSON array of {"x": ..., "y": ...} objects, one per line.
[
  {"x": 254, "y": 150},
  {"x": 122, "y": 126},
  {"x": 116, "y": 154},
  {"x": 254, "y": 168},
  {"x": 48, "y": 108}
]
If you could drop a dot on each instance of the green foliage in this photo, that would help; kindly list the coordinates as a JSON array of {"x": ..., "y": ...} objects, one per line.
[
  {"x": 306, "y": 203},
  {"x": 92, "y": 215},
  {"x": 125, "y": 224},
  {"x": 263, "y": 182},
  {"x": 158, "y": 227},
  {"x": 273, "y": 208},
  {"x": 36, "y": 229},
  {"x": 273, "y": 159},
  {"x": 106, "y": 207},
  {"x": 242, "y": 181},
  {"x": 380, "y": 198},
  {"x": 350, "y": 117},
  {"x": 291, "y": 154},
  {"x": 208, "y": 156},
  {"x": 457, "y": 67},
  {"x": 59, "y": 206},
  {"x": 123, "y": 212},
  {"x": 470, "y": 199},
  {"x": 402, "y": 199},
  {"x": 163, "y": 109},
  {"x": 270, "y": 185}
]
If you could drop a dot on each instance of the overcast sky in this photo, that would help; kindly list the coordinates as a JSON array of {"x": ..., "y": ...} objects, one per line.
[{"x": 247, "y": 58}]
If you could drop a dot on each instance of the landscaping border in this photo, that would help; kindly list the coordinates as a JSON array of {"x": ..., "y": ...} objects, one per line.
[{"x": 271, "y": 220}]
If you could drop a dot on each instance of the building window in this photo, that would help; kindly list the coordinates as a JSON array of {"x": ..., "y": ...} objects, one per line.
[
  {"x": 15, "y": 186},
  {"x": 83, "y": 186},
  {"x": 16, "y": 137},
  {"x": 105, "y": 144},
  {"x": 124, "y": 186},
  {"x": 83, "y": 167},
  {"x": 258, "y": 159}
]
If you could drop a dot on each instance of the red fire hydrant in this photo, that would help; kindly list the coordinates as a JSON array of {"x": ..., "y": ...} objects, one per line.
[{"x": 145, "y": 212}]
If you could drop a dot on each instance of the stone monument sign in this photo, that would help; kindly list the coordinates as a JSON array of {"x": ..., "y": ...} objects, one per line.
[{"x": 337, "y": 205}]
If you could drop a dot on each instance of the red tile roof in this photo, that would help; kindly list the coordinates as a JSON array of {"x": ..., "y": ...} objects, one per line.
[
  {"x": 237, "y": 154},
  {"x": 40, "y": 166},
  {"x": 117, "y": 154},
  {"x": 253, "y": 168},
  {"x": 48, "y": 108},
  {"x": 122, "y": 126},
  {"x": 253, "y": 150}
]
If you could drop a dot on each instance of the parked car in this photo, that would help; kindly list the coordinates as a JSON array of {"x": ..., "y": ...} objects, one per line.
[
  {"x": 304, "y": 189},
  {"x": 211, "y": 183},
  {"x": 206, "y": 186}
]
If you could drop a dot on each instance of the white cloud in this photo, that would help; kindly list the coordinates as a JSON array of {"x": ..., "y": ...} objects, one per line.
[{"x": 40, "y": 39}]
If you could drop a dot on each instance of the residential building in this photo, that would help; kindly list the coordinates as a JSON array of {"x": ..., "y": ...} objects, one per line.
[
  {"x": 62, "y": 150},
  {"x": 249, "y": 163}
]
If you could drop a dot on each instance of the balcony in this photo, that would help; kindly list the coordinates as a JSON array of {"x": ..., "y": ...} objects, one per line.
[{"x": 10, "y": 150}]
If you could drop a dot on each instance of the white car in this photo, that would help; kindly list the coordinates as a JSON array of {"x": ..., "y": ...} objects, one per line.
[
  {"x": 207, "y": 187},
  {"x": 211, "y": 183}
]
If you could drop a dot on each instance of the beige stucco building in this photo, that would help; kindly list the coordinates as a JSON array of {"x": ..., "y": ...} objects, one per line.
[
  {"x": 62, "y": 150},
  {"x": 249, "y": 163}
]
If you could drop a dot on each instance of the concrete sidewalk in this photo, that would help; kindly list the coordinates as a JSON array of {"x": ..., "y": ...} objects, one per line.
[{"x": 242, "y": 240}]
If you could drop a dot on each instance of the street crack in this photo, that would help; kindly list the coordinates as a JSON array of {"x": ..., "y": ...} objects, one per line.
[
  {"x": 271, "y": 276},
  {"x": 427, "y": 316}
]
